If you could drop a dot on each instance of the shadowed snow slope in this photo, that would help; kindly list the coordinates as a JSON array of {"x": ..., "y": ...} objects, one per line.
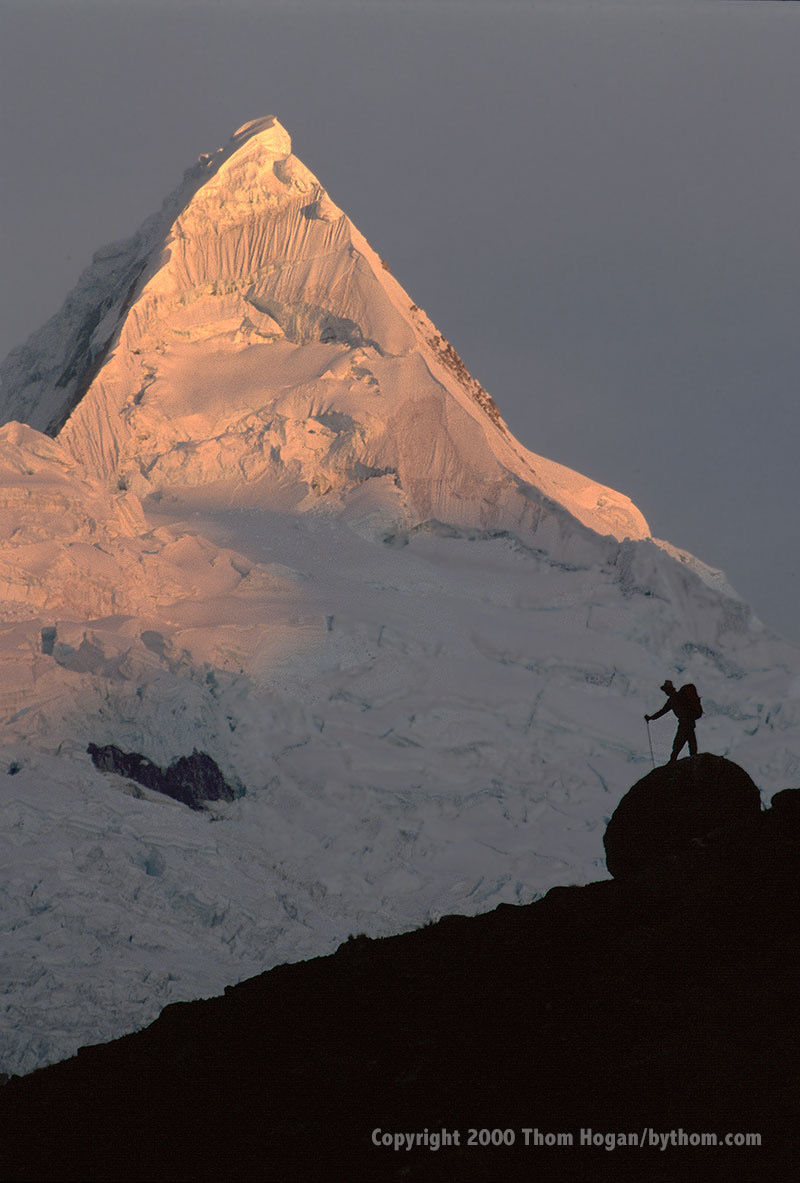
[{"x": 258, "y": 509}]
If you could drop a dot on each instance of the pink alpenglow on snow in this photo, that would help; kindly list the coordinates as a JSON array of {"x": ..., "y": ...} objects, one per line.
[{"x": 251, "y": 338}]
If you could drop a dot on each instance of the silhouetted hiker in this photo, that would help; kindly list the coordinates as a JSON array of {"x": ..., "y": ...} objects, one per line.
[{"x": 684, "y": 703}]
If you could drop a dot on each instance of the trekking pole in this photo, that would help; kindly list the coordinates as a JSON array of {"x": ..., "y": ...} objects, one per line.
[{"x": 649, "y": 740}]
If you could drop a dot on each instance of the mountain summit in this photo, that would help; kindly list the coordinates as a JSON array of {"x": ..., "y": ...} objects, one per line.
[{"x": 249, "y": 337}]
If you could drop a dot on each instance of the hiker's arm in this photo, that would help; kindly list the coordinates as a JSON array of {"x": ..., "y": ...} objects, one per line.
[{"x": 663, "y": 711}]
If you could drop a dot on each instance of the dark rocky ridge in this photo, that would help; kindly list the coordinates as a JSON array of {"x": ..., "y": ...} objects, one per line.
[
  {"x": 193, "y": 780},
  {"x": 666, "y": 1001}
]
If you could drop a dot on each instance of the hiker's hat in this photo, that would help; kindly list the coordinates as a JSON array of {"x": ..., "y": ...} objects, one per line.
[{"x": 667, "y": 686}]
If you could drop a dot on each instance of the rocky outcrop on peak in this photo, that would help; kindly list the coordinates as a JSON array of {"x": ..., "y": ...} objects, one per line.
[{"x": 193, "y": 780}]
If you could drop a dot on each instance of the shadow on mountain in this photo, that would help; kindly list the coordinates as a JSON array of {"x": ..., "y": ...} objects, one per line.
[{"x": 662, "y": 1004}]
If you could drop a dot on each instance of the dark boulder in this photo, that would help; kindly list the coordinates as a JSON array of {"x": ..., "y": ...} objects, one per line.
[
  {"x": 785, "y": 807},
  {"x": 672, "y": 810},
  {"x": 193, "y": 780}
]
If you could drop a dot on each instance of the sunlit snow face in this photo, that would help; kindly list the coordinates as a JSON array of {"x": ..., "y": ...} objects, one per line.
[{"x": 251, "y": 338}]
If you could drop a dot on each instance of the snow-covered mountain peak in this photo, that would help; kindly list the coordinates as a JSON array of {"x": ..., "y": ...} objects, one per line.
[
  {"x": 248, "y": 341},
  {"x": 253, "y": 174}
]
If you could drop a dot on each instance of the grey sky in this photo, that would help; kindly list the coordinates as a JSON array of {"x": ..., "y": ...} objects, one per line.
[{"x": 595, "y": 200}]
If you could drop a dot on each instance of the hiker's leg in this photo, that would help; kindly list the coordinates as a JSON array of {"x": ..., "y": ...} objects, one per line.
[
  {"x": 680, "y": 740},
  {"x": 684, "y": 734}
]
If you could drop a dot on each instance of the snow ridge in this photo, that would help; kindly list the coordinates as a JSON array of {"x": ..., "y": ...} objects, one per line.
[{"x": 44, "y": 379}]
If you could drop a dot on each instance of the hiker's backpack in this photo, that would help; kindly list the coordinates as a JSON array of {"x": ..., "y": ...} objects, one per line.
[{"x": 691, "y": 700}]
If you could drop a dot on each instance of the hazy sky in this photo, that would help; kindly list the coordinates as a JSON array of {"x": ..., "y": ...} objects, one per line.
[{"x": 595, "y": 200}]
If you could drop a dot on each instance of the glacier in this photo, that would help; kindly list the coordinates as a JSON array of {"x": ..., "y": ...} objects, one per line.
[{"x": 253, "y": 504}]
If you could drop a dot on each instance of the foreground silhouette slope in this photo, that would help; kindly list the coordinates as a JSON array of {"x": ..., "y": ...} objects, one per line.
[{"x": 665, "y": 1000}]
